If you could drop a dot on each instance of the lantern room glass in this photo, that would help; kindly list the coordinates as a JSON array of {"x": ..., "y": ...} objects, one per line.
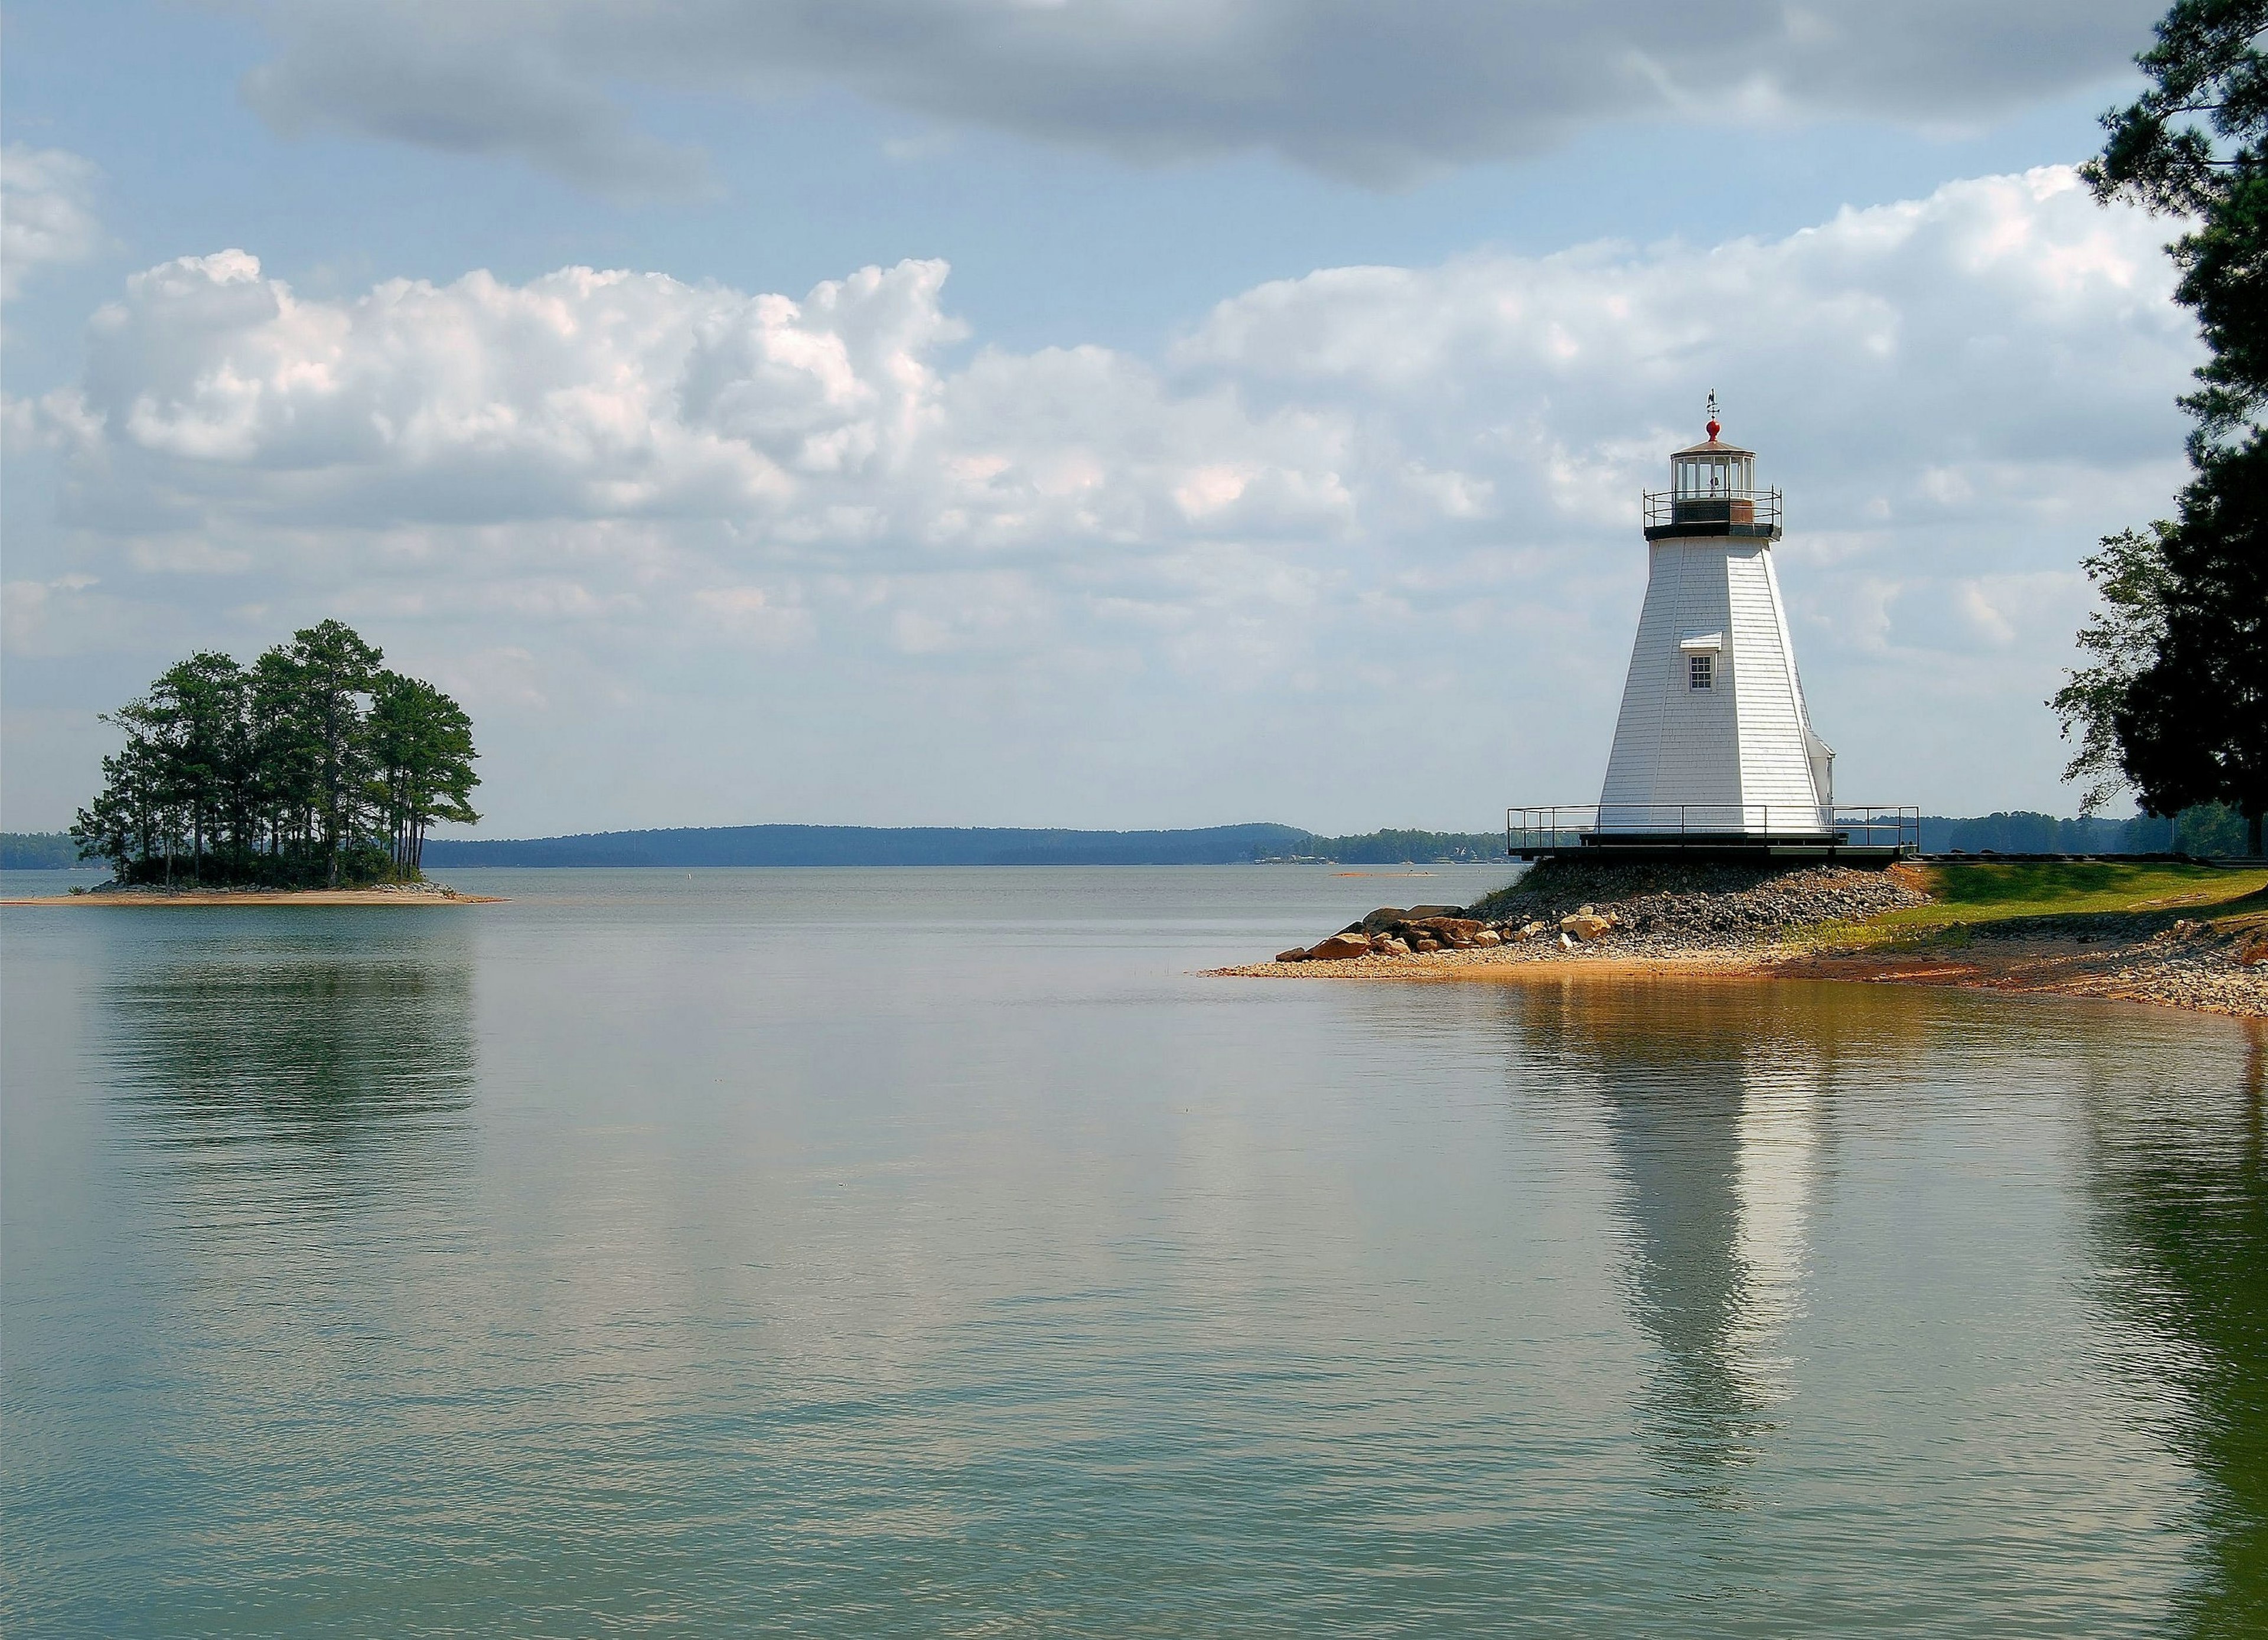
[{"x": 1699, "y": 476}]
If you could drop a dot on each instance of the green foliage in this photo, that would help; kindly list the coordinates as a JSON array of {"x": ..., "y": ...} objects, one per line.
[
  {"x": 2019, "y": 831},
  {"x": 420, "y": 746},
  {"x": 2175, "y": 704},
  {"x": 37, "y": 850},
  {"x": 2194, "y": 145},
  {"x": 1405, "y": 848},
  {"x": 315, "y": 765},
  {"x": 2132, "y": 582},
  {"x": 2208, "y": 829},
  {"x": 2192, "y": 724}
]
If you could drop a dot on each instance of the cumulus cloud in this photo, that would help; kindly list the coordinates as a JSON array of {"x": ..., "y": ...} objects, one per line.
[
  {"x": 46, "y": 213},
  {"x": 1413, "y": 484},
  {"x": 1360, "y": 89}
]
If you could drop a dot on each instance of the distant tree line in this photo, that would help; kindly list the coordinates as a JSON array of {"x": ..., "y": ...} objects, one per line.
[
  {"x": 313, "y": 766},
  {"x": 2175, "y": 701},
  {"x": 2208, "y": 829},
  {"x": 37, "y": 850},
  {"x": 1393, "y": 847}
]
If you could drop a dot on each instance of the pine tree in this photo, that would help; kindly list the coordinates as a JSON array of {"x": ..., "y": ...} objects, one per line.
[
  {"x": 2190, "y": 719},
  {"x": 334, "y": 668},
  {"x": 421, "y": 745}
]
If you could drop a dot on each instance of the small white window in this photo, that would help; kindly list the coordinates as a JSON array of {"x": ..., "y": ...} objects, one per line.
[{"x": 1701, "y": 671}]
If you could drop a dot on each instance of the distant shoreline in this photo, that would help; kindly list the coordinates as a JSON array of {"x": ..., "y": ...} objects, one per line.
[{"x": 1254, "y": 843}]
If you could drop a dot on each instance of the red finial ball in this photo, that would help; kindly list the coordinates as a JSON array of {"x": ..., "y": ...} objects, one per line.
[{"x": 1712, "y": 429}]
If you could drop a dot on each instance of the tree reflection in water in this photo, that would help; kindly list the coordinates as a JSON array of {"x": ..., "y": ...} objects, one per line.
[
  {"x": 2184, "y": 1212},
  {"x": 278, "y": 1073}
]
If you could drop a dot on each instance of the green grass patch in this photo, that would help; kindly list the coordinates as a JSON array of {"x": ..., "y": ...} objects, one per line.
[
  {"x": 2049, "y": 888},
  {"x": 1964, "y": 897}
]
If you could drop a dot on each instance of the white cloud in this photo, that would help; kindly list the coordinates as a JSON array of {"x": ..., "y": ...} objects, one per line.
[
  {"x": 1363, "y": 89},
  {"x": 46, "y": 213},
  {"x": 1004, "y": 578}
]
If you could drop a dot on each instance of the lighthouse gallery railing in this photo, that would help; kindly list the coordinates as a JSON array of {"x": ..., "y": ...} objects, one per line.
[
  {"x": 1709, "y": 825},
  {"x": 1667, "y": 507}
]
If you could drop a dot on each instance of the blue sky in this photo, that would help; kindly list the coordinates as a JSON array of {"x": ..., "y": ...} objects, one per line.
[{"x": 1244, "y": 415}]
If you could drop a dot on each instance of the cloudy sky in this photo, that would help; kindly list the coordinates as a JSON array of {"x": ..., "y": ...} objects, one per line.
[{"x": 1071, "y": 412}]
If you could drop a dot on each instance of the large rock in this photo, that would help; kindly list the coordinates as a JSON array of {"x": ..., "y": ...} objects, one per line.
[
  {"x": 1385, "y": 917},
  {"x": 1296, "y": 954},
  {"x": 1457, "y": 932},
  {"x": 1387, "y": 945},
  {"x": 1339, "y": 945},
  {"x": 1585, "y": 926},
  {"x": 1418, "y": 913}
]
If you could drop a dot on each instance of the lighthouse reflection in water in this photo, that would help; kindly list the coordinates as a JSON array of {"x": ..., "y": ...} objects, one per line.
[
  {"x": 1720, "y": 1156},
  {"x": 1714, "y": 1119}
]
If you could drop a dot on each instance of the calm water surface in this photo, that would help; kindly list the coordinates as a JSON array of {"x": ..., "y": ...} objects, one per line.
[{"x": 928, "y": 1251}]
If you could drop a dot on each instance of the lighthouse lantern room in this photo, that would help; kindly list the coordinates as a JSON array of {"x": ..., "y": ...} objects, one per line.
[{"x": 1713, "y": 748}]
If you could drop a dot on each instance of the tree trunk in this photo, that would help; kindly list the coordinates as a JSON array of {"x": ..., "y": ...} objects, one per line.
[{"x": 2252, "y": 829}]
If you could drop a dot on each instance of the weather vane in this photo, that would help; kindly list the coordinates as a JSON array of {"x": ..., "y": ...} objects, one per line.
[{"x": 1712, "y": 412}]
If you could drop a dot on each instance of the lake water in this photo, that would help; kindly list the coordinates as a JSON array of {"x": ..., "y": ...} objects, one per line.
[{"x": 929, "y": 1252}]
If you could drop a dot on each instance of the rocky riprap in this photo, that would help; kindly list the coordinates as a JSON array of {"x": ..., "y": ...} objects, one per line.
[
  {"x": 1632, "y": 909},
  {"x": 2213, "y": 968},
  {"x": 1678, "y": 907}
]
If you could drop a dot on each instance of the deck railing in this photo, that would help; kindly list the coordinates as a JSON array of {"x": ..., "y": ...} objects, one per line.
[
  {"x": 1533, "y": 829},
  {"x": 1664, "y": 507}
]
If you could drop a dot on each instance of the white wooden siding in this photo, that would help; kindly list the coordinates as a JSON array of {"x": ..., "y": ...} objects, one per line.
[{"x": 1741, "y": 747}]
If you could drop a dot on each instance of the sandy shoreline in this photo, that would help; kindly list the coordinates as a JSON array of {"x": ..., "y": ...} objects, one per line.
[{"x": 263, "y": 897}]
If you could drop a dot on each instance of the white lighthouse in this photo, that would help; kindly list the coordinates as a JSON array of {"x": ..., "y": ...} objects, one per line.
[
  {"x": 1713, "y": 738},
  {"x": 1714, "y": 754}
]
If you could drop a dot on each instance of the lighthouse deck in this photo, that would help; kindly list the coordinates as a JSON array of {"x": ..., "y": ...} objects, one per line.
[
  {"x": 1855, "y": 833},
  {"x": 1738, "y": 515}
]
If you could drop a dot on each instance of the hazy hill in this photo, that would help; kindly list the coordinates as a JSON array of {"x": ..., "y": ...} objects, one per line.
[
  {"x": 2198, "y": 831},
  {"x": 877, "y": 845}
]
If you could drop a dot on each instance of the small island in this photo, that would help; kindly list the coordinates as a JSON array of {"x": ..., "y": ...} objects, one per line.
[
  {"x": 312, "y": 776},
  {"x": 2183, "y": 934}
]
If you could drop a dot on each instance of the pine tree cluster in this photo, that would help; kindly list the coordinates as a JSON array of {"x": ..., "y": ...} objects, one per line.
[{"x": 313, "y": 766}]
